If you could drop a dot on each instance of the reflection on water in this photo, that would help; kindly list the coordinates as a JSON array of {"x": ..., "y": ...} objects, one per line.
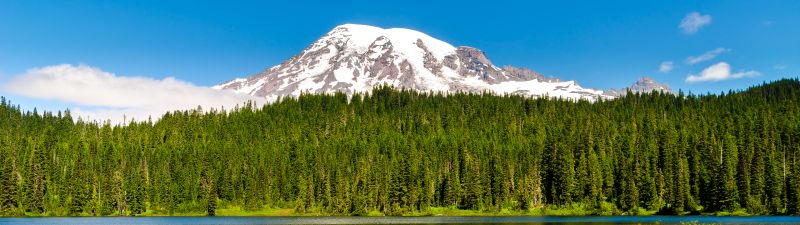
[{"x": 401, "y": 220}]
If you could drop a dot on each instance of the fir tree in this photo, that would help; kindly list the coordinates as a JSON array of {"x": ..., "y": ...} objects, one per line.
[{"x": 8, "y": 183}]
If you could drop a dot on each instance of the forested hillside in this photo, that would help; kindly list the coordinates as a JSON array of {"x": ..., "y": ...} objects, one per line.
[{"x": 399, "y": 152}]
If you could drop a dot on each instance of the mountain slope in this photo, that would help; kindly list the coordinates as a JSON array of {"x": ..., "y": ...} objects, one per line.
[
  {"x": 355, "y": 58},
  {"x": 642, "y": 85}
]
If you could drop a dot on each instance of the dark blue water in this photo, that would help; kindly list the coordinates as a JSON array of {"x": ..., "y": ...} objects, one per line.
[{"x": 403, "y": 220}]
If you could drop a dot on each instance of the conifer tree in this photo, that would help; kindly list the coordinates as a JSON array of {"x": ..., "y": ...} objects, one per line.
[
  {"x": 36, "y": 186},
  {"x": 401, "y": 152},
  {"x": 8, "y": 184},
  {"x": 471, "y": 183},
  {"x": 135, "y": 195}
]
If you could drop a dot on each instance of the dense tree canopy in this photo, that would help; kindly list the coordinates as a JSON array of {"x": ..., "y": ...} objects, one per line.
[{"x": 399, "y": 151}]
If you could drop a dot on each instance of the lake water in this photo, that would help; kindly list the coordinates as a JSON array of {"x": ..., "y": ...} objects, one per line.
[{"x": 401, "y": 220}]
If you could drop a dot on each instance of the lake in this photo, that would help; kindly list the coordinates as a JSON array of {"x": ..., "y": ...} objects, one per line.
[{"x": 401, "y": 220}]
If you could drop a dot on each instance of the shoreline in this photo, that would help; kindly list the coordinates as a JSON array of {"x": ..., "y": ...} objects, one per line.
[{"x": 433, "y": 212}]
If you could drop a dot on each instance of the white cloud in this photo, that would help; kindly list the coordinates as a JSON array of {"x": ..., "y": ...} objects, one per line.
[
  {"x": 780, "y": 67},
  {"x": 665, "y": 67},
  {"x": 693, "y": 21},
  {"x": 709, "y": 55},
  {"x": 718, "y": 72},
  {"x": 101, "y": 95}
]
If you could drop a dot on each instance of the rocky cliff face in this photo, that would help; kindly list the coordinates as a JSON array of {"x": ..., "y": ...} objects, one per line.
[
  {"x": 647, "y": 84},
  {"x": 642, "y": 85},
  {"x": 355, "y": 58}
]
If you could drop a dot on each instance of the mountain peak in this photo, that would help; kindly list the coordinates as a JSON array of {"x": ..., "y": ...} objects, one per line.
[
  {"x": 642, "y": 85},
  {"x": 355, "y": 58},
  {"x": 361, "y": 37},
  {"x": 647, "y": 84}
]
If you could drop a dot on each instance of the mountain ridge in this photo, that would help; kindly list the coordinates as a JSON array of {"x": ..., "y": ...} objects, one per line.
[{"x": 354, "y": 58}]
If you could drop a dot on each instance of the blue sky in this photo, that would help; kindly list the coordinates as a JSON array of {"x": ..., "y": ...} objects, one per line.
[{"x": 601, "y": 44}]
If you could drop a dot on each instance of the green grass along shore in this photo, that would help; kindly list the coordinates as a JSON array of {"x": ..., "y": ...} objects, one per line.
[{"x": 571, "y": 210}]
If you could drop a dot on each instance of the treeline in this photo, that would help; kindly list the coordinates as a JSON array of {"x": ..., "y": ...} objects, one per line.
[{"x": 398, "y": 152}]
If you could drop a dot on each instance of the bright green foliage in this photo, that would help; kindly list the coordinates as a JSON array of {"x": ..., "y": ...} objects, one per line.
[
  {"x": 403, "y": 152},
  {"x": 135, "y": 195},
  {"x": 79, "y": 188},
  {"x": 8, "y": 186},
  {"x": 471, "y": 182},
  {"x": 37, "y": 182}
]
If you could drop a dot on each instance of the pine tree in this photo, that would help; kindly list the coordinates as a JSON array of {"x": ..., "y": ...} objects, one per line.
[
  {"x": 730, "y": 160},
  {"x": 628, "y": 195},
  {"x": 80, "y": 188},
  {"x": 743, "y": 174},
  {"x": 209, "y": 191},
  {"x": 135, "y": 195},
  {"x": 756, "y": 200},
  {"x": 471, "y": 183},
  {"x": 36, "y": 185},
  {"x": 682, "y": 191},
  {"x": 117, "y": 199},
  {"x": 211, "y": 203},
  {"x": 399, "y": 187},
  {"x": 497, "y": 182},
  {"x": 401, "y": 152},
  {"x": 793, "y": 192},
  {"x": 8, "y": 183}
]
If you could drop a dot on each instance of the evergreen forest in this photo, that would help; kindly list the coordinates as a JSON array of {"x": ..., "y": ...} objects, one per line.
[{"x": 401, "y": 152}]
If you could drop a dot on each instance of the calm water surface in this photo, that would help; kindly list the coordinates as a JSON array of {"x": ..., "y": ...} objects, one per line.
[{"x": 401, "y": 220}]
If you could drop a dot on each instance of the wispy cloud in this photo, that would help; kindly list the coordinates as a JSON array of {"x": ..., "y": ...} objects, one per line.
[
  {"x": 709, "y": 55},
  {"x": 718, "y": 72},
  {"x": 780, "y": 67},
  {"x": 693, "y": 21},
  {"x": 101, "y": 95},
  {"x": 665, "y": 67}
]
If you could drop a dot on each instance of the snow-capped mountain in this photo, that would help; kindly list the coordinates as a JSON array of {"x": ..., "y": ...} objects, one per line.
[
  {"x": 355, "y": 58},
  {"x": 647, "y": 84},
  {"x": 642, "y": 85}
]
